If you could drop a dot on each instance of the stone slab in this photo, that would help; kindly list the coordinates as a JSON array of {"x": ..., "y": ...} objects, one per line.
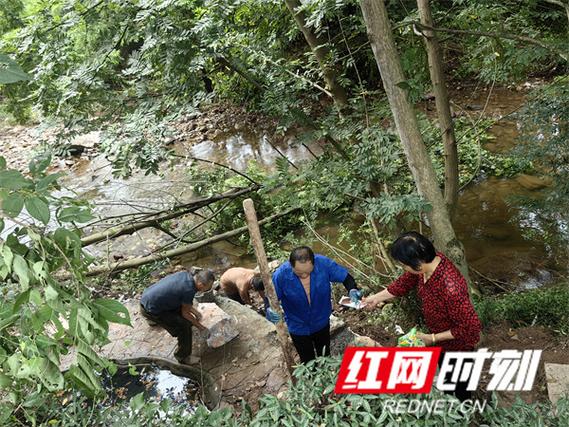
[
  {"x": 218, "y": 323},
  {"x": 248, "y": 366},
  {"x": 557, "y": 377}
]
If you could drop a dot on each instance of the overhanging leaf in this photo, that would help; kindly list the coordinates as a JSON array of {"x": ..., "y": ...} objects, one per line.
[
  {"x": 22, "y": 271},
  {"x": 75, "y": 214},
  {"x": 38, "y": 209},
  {"x": 13, "y": 180},
  {"x": 112, "y": 310},
  {"x": 10, "y": 71},
  {"x": 12, "y": 205}
]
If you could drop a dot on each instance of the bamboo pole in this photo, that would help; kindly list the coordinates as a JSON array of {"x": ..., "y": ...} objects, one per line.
[{"x": 257, "y": 242}]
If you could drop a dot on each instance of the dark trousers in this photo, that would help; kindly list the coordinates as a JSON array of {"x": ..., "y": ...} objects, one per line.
[
  {"x": 311, "y": 346},
  {"x": 460, "y": 391},
  {"x": 236, "y": 297},
  {"x": 177, "y": 326}
]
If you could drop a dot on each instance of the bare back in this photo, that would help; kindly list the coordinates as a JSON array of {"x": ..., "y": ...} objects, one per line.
[{"x": 237, "y": 280}]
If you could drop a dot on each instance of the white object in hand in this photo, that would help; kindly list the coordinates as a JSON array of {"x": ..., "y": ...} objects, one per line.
[{"x": 347, "y": 302}]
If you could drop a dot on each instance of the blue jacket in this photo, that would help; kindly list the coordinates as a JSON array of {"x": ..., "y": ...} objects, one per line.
[{"x": 303, "y": 318}]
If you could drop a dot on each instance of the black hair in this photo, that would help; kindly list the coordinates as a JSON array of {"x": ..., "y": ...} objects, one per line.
[
  {"x": 413, "y": 249},
  {"x": 301, "y": 254},
  {"x": 257, "y": 283},
  {"x": 205, "y": 277}
]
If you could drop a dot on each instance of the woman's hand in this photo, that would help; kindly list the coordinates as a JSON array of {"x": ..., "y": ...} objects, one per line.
[
  {"x": 426, "y": 338},
  {"x": 371, "y": 302}
]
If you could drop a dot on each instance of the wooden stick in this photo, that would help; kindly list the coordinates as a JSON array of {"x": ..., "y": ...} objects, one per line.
[{"x": 257, "y": 242}]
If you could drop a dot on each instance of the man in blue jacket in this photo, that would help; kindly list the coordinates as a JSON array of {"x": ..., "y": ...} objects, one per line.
[{"x": 303, "y": 286}]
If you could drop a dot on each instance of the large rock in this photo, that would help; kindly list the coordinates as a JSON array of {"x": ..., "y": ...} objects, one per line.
[
  {"x": 557, "y": 376},
  {"x": 531, "y": 182},
  {"x": 336, "y": 324},
  {"x": 218, "y": 323}
]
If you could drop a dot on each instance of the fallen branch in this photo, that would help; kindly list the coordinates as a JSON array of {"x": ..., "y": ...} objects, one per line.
[
  {"x": 153, "y": 222},
  {"x": 137, "y": 262}
]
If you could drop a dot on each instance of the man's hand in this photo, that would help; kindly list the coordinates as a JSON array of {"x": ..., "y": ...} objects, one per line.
[
  {"x": 200, "y": 326},
  {"x": 272, "y": 316}
]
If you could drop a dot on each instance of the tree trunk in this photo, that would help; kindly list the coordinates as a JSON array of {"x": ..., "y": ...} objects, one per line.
[
  {"x": 443, "y": 106},
  {"x": 389, "y": 64},
  {"x": 257, "y": 242},
  {"x": 321, "y": 52}
]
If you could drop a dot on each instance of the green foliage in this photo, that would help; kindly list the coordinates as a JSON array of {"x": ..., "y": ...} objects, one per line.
[
  {"x": 474, "y": 160},
  {"x": 10, "y": 71},
  {"x": 548, "y": 307},
  {"x": 495, "y": 59},
  {"x": 41, "y": 313}
]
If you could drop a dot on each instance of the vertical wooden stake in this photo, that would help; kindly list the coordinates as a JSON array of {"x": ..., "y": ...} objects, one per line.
[{"x": 257, "y": 242}]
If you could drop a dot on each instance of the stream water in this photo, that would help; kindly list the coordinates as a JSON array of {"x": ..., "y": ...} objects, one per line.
[{"x": 499, "y": 236}]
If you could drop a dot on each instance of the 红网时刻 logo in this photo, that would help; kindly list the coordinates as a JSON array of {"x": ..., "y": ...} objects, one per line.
[{"x": 412, "y": 370}]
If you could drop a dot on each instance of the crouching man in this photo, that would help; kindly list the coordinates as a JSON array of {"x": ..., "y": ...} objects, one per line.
[{"x": 169, "y": 303}]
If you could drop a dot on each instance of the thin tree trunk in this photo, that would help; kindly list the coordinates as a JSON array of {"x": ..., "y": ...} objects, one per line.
[
  {"x": 443, "y": 106},
  {"x": 389, "y": 64},
  {"x": 137, "y": 262},
  {"x": 257, "y": 243},
  {"x": 321, "y": 52},
  {"x": 176, "y": 212}
]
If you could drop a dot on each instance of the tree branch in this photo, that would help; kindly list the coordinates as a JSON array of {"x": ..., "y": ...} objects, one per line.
[
  {"x": 137, "y": 262},
  {"x": 178, "y": 211},
  {"x": 526, "y": 39}
]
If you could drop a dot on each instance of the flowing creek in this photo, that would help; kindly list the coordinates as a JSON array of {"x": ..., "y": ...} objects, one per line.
[{"x": 499, "y": 237}]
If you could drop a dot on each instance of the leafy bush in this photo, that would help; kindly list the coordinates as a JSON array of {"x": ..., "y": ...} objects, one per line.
[
  {"x": 547, "y": 307},
  {"x": 45, "y": 307}
]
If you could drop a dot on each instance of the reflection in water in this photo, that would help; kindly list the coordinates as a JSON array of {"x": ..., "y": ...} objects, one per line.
[
  {"x": 155, "y": 383},
  {"x": 238, "y": 150},
  {"x": 494, "y": 239}
]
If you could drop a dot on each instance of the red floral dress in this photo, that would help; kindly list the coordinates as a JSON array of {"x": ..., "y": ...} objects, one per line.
[{"x": 445, "y": 304}]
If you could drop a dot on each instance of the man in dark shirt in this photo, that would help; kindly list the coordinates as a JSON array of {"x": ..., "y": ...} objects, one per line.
[{"x": 169, "y": 303}]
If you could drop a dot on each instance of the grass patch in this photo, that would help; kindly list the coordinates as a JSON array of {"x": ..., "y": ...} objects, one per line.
[{"x": 547, "y": 307}]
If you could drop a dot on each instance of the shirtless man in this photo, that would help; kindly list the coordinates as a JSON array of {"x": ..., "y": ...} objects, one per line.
[{"x": 237, "y": 281}]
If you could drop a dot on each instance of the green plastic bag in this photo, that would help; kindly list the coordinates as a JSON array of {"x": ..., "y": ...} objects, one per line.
[{"x": 410, "y": 340}]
